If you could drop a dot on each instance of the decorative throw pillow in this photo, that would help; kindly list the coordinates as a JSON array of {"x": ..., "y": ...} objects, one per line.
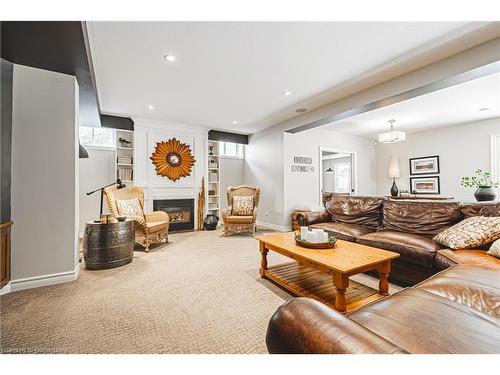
[
  {"x": 470, "y": 233},
  {"x": 494, "y": 249},
  {"x": 243, "y": 206},
  {"x": 129, "y": 207}
]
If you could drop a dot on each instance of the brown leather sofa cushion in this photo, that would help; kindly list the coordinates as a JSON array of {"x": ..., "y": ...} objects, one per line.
[
  {"x": 423, "y": 217},
  {"x": 343, "y": 231},
  {"x": 464, "y": 286},
  {"x": 446, "y": 314},
  {"x": 303, "y": 325},
  {"x": 365, "y": 211},
  {"x": 421, "y": 322},
  {"x": 446, "y": 258},
  {"x": 480, "y": 209},
  {"x": 412, "y": 248}
]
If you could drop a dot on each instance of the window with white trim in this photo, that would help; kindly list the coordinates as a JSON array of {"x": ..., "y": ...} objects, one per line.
[
  {"x": 233, "y": 150},
  {"x": 103, "y": 137}
]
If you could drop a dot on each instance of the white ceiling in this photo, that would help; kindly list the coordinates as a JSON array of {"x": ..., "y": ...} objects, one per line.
[
  {"x": 450, "y": 106},
  {"x": 229, "y": 71}
]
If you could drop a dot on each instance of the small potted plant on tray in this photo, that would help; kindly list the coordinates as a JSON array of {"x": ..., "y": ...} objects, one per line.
[{"x": 486, "y": 189}]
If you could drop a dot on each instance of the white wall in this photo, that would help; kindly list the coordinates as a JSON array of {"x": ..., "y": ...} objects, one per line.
[
  {"x": 302, "y": 188},
  {"x": 44, "y": 178},
  {"x": 96, "y": 171},
  {"x": 232, "y": 173},
  {"x": 264, "y": 168},
  {"x": 461, "y": 149}
]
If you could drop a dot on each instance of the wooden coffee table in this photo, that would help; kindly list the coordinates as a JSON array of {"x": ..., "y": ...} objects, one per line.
[{"x": 313, "y": 273}]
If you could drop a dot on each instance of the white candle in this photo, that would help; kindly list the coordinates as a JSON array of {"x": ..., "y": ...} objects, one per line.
[
  {"x": 318, "y": 235},
  {"x": 303, "y": 233},
  {"x": 325, "y": 236},
  {"x": 310, "y": 236}
]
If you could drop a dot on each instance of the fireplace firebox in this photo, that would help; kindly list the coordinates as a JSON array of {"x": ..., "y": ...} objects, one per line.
[{"x": 180, "y": 211}]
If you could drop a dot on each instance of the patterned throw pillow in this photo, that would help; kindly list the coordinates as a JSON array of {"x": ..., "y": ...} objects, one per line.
[
  {"x": 470, "y": 233},
  {"x": 494, "y": 249},
  {"x": 129, "y": 207},
  {"x": 243, "y": 206}
]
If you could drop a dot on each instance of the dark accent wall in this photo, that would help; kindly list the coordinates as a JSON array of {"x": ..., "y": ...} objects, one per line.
[
  {"x": 117, "y": 122},
  {"x": 5, "y": 138},
  {"x": 215, "y": 135},
  {"x": 57, "y": 46}
]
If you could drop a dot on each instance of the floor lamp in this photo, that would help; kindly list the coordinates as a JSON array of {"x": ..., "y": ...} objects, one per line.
[{"x": 119, "y": 185}]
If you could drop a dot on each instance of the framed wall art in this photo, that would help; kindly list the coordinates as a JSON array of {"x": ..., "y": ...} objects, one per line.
[
  {"x": 425, "y": 185},
  {"x": 424, "y": 165}
]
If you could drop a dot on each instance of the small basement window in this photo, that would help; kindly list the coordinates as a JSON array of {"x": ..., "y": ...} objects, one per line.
[
  {"x": 233, "y": 150},
  {"x": 103, "y": 137}
]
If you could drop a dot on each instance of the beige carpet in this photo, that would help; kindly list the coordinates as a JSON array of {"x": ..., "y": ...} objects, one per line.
[{"x": 199, "y": 294}]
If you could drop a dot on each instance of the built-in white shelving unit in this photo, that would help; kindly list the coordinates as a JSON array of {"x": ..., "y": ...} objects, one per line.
[
  {"x": 213, "y": 205},
  {"x": 125, "y": 155}
]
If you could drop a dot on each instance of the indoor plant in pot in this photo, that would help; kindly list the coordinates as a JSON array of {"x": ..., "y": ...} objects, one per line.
[{"x": 486, "y": 189}]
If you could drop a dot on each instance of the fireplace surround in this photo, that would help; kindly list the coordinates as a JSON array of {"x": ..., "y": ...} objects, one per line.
[{"x": 180, "y": 211}]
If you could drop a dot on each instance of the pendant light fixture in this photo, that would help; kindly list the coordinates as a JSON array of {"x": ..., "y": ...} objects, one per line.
[{"x": 392, "y": 136}]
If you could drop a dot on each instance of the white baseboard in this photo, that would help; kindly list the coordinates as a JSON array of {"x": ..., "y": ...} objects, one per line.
[
  {"x": 6, "y": 289},
  {"x": 275, "y": 227},
  {"x": 45, "y": 280}
]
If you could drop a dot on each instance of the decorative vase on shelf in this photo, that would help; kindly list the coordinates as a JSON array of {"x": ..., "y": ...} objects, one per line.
[
  {"x": 210, "y": 222},
  {"x": 486, "y": 193}
]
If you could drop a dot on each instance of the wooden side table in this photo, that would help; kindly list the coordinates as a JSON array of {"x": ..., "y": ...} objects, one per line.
[{"x": 108, "y": 245}]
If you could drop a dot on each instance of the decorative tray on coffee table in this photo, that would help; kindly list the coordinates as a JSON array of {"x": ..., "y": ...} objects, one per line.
[{"x": 316, "y": 245}]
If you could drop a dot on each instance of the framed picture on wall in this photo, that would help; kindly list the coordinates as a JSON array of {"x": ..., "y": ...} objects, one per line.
[
  {"x": 425, "y": 185},
  {"x": 424, "y": 165}
]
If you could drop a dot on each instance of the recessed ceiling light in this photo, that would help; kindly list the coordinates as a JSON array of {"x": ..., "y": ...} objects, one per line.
[
  {"x": 301, "y": 110},
  {"x": 169, "y": 58},
  {"x": 484, "y": 109},
  {"x": 287, "y": 93},
  {"x": 151, "y": 107},
  {"x": 235, "y": 122}
]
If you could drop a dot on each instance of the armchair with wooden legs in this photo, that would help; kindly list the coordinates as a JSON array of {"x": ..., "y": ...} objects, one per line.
[
  {"x": 150, "y": 227},
  {"x": 234, "y": 223}
]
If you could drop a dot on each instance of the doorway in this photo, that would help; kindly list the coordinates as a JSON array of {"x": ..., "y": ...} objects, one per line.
[{"x": 337, "y": 173}]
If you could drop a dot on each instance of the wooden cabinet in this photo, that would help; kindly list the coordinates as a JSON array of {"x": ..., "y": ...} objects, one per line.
[{"x": 5, "y": 253}]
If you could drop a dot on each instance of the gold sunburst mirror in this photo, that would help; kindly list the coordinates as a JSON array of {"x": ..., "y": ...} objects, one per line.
[{"x": 173, "y": 159}]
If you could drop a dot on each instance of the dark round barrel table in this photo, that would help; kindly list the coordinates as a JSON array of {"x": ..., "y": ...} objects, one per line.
[{"x": 108, "y": 245}]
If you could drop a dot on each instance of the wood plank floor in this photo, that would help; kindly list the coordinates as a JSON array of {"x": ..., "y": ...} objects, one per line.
[{"x": 306, "y": 281}]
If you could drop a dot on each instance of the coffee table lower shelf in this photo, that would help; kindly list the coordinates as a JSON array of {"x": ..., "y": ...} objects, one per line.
[{"x": 306, "y": 281}]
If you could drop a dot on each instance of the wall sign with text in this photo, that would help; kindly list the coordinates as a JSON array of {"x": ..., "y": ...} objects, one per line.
[{"x": 302, "y": 160}]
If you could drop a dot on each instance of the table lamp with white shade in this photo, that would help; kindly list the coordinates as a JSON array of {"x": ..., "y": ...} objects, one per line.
[{"x": 393, "y": 172}]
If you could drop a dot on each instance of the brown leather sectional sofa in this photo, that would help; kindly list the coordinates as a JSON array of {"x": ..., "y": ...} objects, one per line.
[
  {"x": 403, "y": 226},
  {"x": 455, "y": 311}
]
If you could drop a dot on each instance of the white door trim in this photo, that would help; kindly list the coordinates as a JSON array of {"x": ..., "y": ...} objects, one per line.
[{"x": 354, "y": 169}]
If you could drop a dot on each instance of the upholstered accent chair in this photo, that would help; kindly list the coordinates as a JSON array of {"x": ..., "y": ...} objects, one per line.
[
  {"x": 235, "y": 222},
  {"x": 150, "y": 227}
]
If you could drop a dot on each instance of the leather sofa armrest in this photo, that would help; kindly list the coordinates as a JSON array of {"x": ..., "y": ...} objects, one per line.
[
  {"x": 309, "y": 218},
  {"x": 304, "y": 325}
]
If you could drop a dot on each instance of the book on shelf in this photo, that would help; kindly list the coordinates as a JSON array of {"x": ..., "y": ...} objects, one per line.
[
  {"x": 126, "y": 174},
  {"x": 124, "y": 160}
]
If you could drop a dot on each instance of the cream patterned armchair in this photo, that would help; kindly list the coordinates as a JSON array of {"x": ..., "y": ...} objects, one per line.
[
  {"x": 150, "y": 227},
  {"x": 241, "y": 214}
]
